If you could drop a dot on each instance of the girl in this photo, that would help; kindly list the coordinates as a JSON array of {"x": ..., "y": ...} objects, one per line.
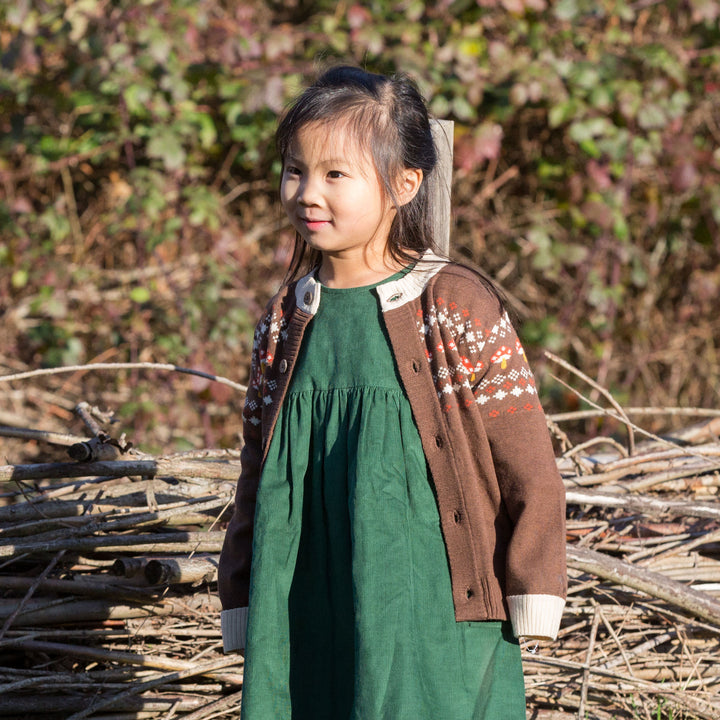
[{"x": 399, "y": 517}]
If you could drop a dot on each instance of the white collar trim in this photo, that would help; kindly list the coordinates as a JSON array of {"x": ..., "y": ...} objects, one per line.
[
  {"x": 392, "y": 294},
  {"x": 411, "y": 285}
]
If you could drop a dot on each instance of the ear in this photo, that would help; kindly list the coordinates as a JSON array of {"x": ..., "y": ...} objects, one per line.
[{"x": 410, "y": 181}]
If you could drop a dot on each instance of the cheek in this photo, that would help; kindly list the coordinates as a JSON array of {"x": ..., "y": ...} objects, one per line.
[{"x": 286, "y": 193}]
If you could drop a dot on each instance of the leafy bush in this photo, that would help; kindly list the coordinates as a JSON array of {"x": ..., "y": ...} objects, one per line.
[{"x": 139, "y": 173}]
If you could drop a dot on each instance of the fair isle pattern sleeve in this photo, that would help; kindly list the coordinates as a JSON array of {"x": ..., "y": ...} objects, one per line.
[
  {"x": 476, "y": 356},
  {"x": 269, "y": 331},
  {"x": 509, "y": 482},
  {"x": 236, "y": 555}
]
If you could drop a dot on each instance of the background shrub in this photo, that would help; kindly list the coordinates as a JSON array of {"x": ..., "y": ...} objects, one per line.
[{"x": 138, "y": 214}]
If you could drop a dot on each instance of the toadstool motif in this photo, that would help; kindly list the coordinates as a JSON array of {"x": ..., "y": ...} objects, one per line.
[{"x": 502, "y": 356}]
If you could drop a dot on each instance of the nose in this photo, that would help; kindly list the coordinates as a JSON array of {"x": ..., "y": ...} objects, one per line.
[{"x": 308, "y": 193}]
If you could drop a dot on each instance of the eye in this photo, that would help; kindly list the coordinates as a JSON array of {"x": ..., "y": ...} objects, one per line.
[
  {"x": 336, "y": 174},
  {"x": 291, "y": 170}
]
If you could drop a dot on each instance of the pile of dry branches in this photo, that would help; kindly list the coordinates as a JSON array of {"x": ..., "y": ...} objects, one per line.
[
  {"x": 108, "y": 605},
  {"x": 107, "y": 608}
]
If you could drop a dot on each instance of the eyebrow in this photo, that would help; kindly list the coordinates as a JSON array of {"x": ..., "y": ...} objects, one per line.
[{"x": 325, "y": 162}]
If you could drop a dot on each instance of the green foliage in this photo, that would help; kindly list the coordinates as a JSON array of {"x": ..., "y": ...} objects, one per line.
[{"x": 135, "y": 134}]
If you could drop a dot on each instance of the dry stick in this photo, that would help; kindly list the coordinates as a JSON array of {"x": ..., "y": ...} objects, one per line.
[
  {"x": 649, "y": 481},
  {"x": 205, "y": 454},
  {"x": 222, "y": 704},
  {"x": 677, "y": 411},
  {"x": 704, "y": 539},
  {"x": 57, "y": 680},
  {"x": 242, "y": 188},
  {"x": 101, "y": 489},
  {"x": 694, "y": 662},
  {"x": 173, "y": 711},
  {"x": 159, "y": 467},
  {"x": 616, "y": 639},
  {"x": 171, "y": 514},
  {"x": 603, "y": 391},
  {"x": 171, "y": 571},
  {"x": 113, "y": 589},
  {"x": 661, "y": 458},
  {"x": 58, "y": 612},
  {"x": 61, "y": 705},
  {"x": 619, "y": 417},
  {"x": 102, "y": 523},
  {"x": 655, "y": 584},
  {"x": 30, "y": 592},
  {"x": 149, "y": 542},
  {"x": 54, "y": 438},
  {"x": 122, "y": 366},
  {"x": 701, "y": 707},
  {"x": 639, "y": 650},
  {"x": 201, "y": 669},
  {"x": 83, "y": 411},
  {"x": 71, "y": 210},
  {"x": 586, "y": 671},
  {"x": 645, "y": 504},
  {"x": 226, "y": 165},
  {"x": 653, "y": 473},
  {"x": 126, "y": 500},
  {"x": 85, "y": 680},
  {"x": 595, "y": 441},
  {"x": 158, "y": 662}
]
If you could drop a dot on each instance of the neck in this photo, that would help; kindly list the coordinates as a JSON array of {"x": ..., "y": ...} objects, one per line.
[{"x": 349, "y": 272}]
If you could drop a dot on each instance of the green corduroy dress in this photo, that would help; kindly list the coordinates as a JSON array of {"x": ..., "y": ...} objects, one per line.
[{"x": 351, "y": 613}]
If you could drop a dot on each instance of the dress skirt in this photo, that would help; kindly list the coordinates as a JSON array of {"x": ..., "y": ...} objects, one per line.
[{"x": 351, "y": 614}]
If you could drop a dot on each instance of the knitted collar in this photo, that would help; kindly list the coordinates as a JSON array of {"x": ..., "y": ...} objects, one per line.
[{"x": 392, "y": 294}]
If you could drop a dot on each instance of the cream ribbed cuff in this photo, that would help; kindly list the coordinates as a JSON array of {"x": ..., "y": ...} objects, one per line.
[
  {"x": 536, "y": 616},
  {"x": 234, "y": 628}
]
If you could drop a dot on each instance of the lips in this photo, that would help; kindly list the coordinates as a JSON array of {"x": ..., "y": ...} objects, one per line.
[{"x": 314, "y": 223}]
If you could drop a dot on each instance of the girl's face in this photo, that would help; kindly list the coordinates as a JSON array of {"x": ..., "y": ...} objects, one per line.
[{"x": 332, "y": 195}]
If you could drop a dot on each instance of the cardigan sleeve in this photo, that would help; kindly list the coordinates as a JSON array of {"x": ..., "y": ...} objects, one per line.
[
  {"x": 236, "y": 555},
  {"x": 487, "y": 371},
  {"x": 529, "y": 482}
]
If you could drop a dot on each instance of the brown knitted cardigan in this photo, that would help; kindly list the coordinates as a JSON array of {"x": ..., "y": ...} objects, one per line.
[{"x": 500, "y": 497}]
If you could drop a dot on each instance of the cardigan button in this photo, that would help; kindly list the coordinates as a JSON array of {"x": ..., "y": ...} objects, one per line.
[
  {"x": 469, "y": 593},
  {"x": 308, "y": 298},
  {"x": 283, "y": 365}
]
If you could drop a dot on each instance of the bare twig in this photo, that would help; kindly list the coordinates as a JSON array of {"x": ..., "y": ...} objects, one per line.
[
  {"x": 586, "y": 670},
  {"x": 121, "y": 366},
  {"x": 31, "y": 590},
  {"x": 223, "y": 704},
  {"x": 697, "y": 604},
  {"x": 645, "y": 504},
  {"x": 121, "y": 468},
  {"x": 50, "y": 437},
  {"x": 603, "y": 391},
  {"x": 211, "y": 666}
]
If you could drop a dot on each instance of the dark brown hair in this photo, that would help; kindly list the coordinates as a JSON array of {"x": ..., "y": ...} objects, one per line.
[{"x": 388, "y": 118}]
